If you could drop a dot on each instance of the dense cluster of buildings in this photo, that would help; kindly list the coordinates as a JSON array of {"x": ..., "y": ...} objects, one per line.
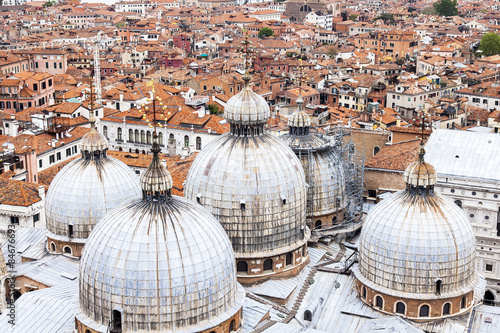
[{"x": 342, "y": 177}]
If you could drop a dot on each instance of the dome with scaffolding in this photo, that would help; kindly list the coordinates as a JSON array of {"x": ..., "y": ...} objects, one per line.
[{"x": 260, "y": 201}]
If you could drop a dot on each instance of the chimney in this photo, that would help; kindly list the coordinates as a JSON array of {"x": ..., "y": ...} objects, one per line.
[
  {"x": 398, "y": 121},
  {"x": 185, "y": 152},
  {"x": 121, "y": 97},
  {"x": 201, "y": 111},
  {"x": 57, "y": 136},
  {"x": 171, "y": 147},
  {"x": 41, "y": 192}
]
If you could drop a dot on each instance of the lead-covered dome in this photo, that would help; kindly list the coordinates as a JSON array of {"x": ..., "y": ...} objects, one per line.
[
  {"x": 254, "y": 185},
  {"x": 159, "y": 264},
  {"x": 84, "y": 191},
  {"x": 418, "y": 244}
]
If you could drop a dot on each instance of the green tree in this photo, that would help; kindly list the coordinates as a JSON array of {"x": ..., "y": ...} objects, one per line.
[
  {"x": 490, "y": 44},
  {"x": 265, "y": 32},
  {"x": 446, "y": 7},
  {"x": 332, "y": 52},
  {"x": 213, "y": 108},
  {"x": 386, "y": 17},
  {"x": 353, "y": 17}
]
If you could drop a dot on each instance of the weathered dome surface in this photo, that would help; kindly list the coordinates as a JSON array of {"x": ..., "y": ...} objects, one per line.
[
  {"x": 299, "y": 119},
  {"x": 93, "y": 141},
  {"x": 83, "y": 191},
  {"x": 413, "y": 239},
  {"x": 247, "y": 108},
  {"x": 420, "y": 173},
  {"x": 255, "y": 187},
  {"x": 168, "y": 265}
]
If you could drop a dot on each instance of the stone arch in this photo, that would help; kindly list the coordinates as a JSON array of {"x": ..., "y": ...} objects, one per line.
[
  {"x": 379, "y": 302},
  {"x": 489, "y": 298},
  {"x": 242, "y": 266},
  {"x": 400, "y": 307},
  {"x": 305, "y": 8},
  {"x": 268, "y": 264},
  {"x": 446, "y": 308},
  {"x": 67, "y": 249},
  {"x": 424, "y": 310},
  {"x": 53, "y": 247}
]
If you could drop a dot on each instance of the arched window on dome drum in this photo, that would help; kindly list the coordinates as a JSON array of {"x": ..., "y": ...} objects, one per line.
[
  {"x": 53, "y": 247},
  {"x": 131, "y": 135},
  {"x": 363, "y": 292},
  {"x": 439, "y": 284},
  {"x": 289, "y": 257},
  {"x": 87, "y": 331},
  {"x": 334, "y": 220},
  {"x": 424, "y": 311},
  {"x": 463, "y": 302},
  {"x": 446, "y": 309},
  {"x": 119, "y": 134},
  {"x": 70, "y": 230},
  {"x": 67, "y": 250},
  {"x": 198, "y": 143},
  {"x": 489, "y": 298},
  {"x": 379, "y": 302},
  {"x": 317, "y": 225},
  {"x": 376, "y": 149},
  {"x": 400, "y": 308},
  {"x": 242, "y": 266},
  {"x": 148, "y": 138},
  {"x": 186, "y": 141},
  {"x": 458, "y": 203},
  {"x": 116, "y": 322},
  {"x": 232, "y": 327},
  {"x": 105, "y": 131},
  {"x": 268, "y": 264},
  {"x": 304, "y": 251},
  {"x": 143, "y": 136}
]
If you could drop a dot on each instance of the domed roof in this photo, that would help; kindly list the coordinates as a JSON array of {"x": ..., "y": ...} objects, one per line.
[
  {"x": 247, "y": 107},
  {"x": 93, "y": 141},
  {"x": 164, "y": 261},
  {"x": 88, "y": 187},
  {"x": 260, "y": 201},
  {"x": 420, "y": 173},
  {"x": 415, "y": 238},
  {"x": 299, "y": 119}
]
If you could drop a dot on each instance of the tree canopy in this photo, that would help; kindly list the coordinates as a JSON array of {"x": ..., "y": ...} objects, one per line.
[
  {"x": 446, "y": 7},
  {"x": 265, "y": 32},
  {"x": 386, "y": 17},
  {"x": 353, "y": 17},
  {"x": 490, "y": 44}
]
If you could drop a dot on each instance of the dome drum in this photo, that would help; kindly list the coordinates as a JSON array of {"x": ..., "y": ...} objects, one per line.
[
  {"x": 56, "y": 245},
  {"x": 412, "y": 306},
  {"x": 288, "y": 264}
]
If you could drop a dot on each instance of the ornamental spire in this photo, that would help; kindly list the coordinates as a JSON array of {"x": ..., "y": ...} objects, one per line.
[{"x": 247, "y": 52}]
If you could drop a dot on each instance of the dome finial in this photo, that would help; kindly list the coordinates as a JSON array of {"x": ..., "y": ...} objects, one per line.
[
  {"x": 247, "y": 53},
  {"x": 93, "y": 144},
  {"x": 156, "y": 181},
  {"x": 299, "y": 122}
]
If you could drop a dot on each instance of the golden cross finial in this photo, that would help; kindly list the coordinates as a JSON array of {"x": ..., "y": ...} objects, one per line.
[
  {"x": 300, "y": 77},
  {"x": 424, "y": 120},
  {"x": 149, "y": 111},
  {"x": 247, "y": 52}
]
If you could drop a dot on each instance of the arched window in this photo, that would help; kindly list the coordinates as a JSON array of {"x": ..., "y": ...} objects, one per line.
[
  {"x": 446, "y": 309},
  {"x": 363, "y": 292},
  {"x": 268, "y": 264},
  {"x": 458, "y": 203},
  {"x": 232, "y": 326},
  {"x": 143, "y": 136},
  {"x": 489, "y": 298},
  {"x": 400, "y": 308},
  {"x": 317, "y": 225},
  {"x": 242, "y": 266},
  {"x": 198, "y": 143},
  {"x": 379, "y": 302},
  {"x": 148, "y": 138},
  {"x": 289, "y": 257},
  {"x": 463, "y": 302},
  {"x": 186, "y": 141},
  {"x": 137, "y": 137},
  {"x": 304, "y": 251},
  {"x": 105, "y": 131},
  {"x": 67, "y": 250},
  {"x": 439, "y": 284},
  {"x": 53, "y": 247},
  {"x": 116, "y": 321},
  {"x": 119, "y": 134},
  {"x": 376, "y": 149},
  {"x": 334, "y": 219},
  {"x": 131, "y": 135},
  {"x": 424, "y": 311},
  {"x": 307, "y": 315},
  {"x": 160, "y": 139},
  {"x": 87, "y": 331}
]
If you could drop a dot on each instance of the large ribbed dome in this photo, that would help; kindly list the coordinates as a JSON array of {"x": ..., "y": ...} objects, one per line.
[
  {"x": 252, "y": 182},
  {"x": 163, "y": 262},
  {"x": 414, "y": 239},
  {"x": 85, "y": 189}
]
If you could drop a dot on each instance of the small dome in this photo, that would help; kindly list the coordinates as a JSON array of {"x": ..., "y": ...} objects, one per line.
[
  {"x": 93, "y": 141},
  {"x": 299, "y": 119},
  {"x": 420, "y": 173},
  {"x": 410, "y": 233},
  {"x": 156, "y": 178},
  {"x": 83, "y": 191},
  {"x": 247, "y": 108},
  {"x": 168, "y": 265}
]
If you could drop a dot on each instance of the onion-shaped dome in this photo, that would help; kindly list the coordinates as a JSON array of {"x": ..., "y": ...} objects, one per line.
[
  {"x": 252, "y": 182},
  {"x": 323, "y": 167},
  {"x": 417, "y": 239},
  {"x": 86, "y": 189},
  {"x": 159, "y": 264}
]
